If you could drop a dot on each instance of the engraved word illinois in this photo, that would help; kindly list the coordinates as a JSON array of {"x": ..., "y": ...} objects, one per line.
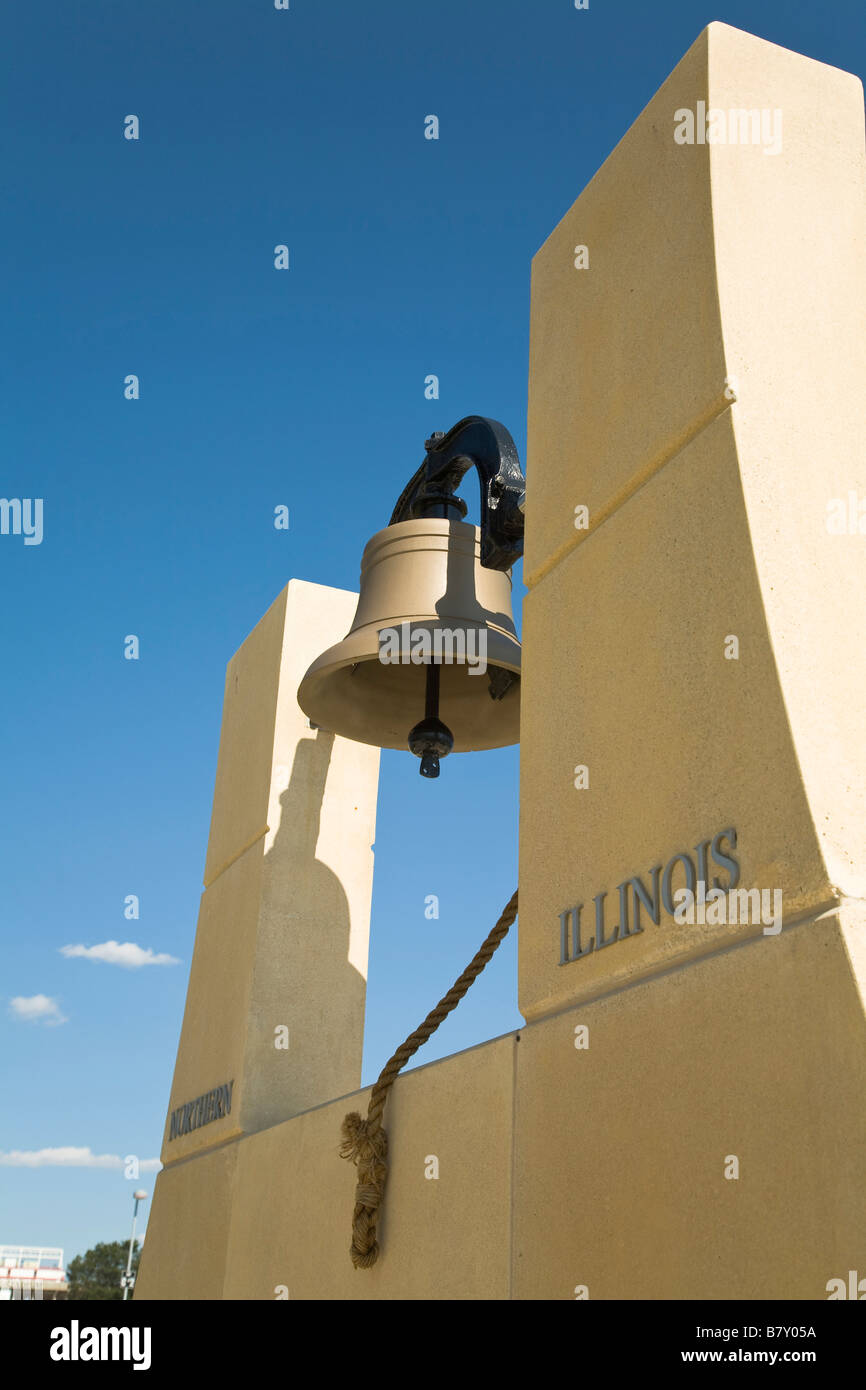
[{"x": 634, "y": 894}]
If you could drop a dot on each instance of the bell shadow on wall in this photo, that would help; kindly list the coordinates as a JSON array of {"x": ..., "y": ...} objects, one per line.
[{"x": 313, "y": 988}]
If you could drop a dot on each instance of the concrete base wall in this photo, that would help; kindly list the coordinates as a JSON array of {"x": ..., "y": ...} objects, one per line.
[{"x": 561, "y": 1168}]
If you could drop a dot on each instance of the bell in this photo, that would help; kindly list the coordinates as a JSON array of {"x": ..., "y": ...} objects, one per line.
[{"x": 432, "y": 660}]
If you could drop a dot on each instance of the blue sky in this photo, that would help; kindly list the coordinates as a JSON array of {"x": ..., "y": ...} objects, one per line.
[{"x": 258, "y": 388}]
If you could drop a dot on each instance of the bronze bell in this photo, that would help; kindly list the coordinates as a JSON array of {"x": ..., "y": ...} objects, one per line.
[{"x": 432, "y": 659}]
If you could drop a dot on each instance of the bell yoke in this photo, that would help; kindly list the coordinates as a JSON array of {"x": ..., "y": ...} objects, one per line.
[{"x": 435, "y": 593}]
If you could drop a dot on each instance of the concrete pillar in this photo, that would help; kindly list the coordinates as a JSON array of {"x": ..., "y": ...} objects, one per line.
[
  {"x": 689, "y": 1119},
  {"x": 274, "y": 1017},
  {"x": 693, "y": 640}
]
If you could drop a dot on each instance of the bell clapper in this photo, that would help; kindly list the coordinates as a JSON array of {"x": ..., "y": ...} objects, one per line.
[{"x": 431, "y": 739}]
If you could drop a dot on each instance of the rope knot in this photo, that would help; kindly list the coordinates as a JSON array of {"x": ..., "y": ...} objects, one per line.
[{"x": 364, "y": 1141}]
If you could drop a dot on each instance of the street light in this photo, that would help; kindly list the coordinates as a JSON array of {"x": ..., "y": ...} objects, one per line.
[{"x": 127, "y": 1280}]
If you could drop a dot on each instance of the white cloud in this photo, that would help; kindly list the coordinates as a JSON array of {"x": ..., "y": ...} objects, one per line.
[
  {"x": 70, "y": 1158},
  {"x": 127, "y": 954},
  {"x": 38, "y": 1008}
]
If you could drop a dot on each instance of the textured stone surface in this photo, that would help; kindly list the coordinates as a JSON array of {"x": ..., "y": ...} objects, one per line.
[{"x": 284, "y": 920}]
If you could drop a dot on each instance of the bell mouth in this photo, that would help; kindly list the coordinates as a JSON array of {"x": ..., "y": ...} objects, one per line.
[{"x": 378, "y": 702}]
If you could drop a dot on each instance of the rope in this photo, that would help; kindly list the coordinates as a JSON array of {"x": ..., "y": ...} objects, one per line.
[{"x": 365, "y": 1141}]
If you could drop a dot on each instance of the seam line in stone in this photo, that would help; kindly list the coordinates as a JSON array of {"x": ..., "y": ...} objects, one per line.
[
  {"x": 653, "y": 973},
  {"x": 717, "y": 407},
  {"x": 220, "y": 1143},
  {"x": 227, "y": 865}
]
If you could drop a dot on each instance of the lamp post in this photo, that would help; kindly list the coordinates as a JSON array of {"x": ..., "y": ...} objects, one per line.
[{"x": 127, "y": 1280}]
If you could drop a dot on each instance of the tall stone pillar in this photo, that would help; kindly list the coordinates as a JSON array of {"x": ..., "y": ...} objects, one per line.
[
  {"x": 694, "y": 702},
  {"x": 699, "y": 389},
  {"x": 274, "y": 1017}
]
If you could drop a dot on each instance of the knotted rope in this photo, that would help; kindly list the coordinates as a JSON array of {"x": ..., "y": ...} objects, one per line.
[{"x": 365, "y": 1141}]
